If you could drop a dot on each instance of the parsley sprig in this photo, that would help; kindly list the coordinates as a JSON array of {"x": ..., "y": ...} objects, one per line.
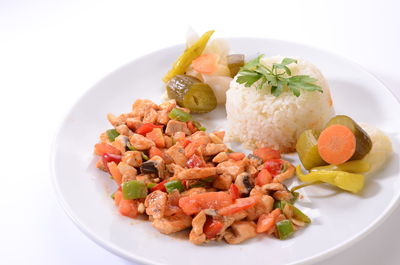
[{"x": 278, "y": 78}]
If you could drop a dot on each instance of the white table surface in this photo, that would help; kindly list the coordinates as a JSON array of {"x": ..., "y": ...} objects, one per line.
[{"x": 52, "y": 51}]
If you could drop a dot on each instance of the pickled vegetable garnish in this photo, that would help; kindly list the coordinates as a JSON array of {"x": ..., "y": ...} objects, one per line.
[
  {"x": 191, "y": 53},
  {"x": 235, "y": 61},
  {"x": 189, "y": 92},
  {"x": 363, "y": 141},
  {"x": 307, "y": 149}
]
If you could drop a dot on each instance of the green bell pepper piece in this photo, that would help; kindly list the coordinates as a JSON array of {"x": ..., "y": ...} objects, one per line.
[
  {"x": 174, "y": 185},
  {"x": 179, "y": 115},
  {"x": 112, "y": 134},
  {"x": 134, "y": 189},
  {"x": 285, "y": 229}
]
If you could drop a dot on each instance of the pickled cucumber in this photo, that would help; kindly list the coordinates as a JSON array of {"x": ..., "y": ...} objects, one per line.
[
  {"x": 307, "y": 149},
  {"x": 189, "y": 92},
  {"x": 363, "y": 141},
  {"x": 235, "y": 61},
  {"x": 182, "y": 63}
]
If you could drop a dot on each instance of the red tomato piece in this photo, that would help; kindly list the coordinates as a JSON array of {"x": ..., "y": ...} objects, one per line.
[
  {"x": 274, "y": 166},
  {"x": 106, "y": 157},
  {"x": 263, "y": 177},
  {"x": 147, "y": 127},
  {"x": 212, "y": 227}
]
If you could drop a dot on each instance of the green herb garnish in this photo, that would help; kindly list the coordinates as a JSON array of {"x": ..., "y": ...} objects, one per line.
[{"x": 278, "y": 78}]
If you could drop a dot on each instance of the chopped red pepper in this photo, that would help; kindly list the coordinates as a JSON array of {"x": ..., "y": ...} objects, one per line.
[
  {"x": 160, "y": 186},
  {"x": 186, "y": 142},
  {"x": 234, "y": 191},
  {"x": 195, "y": 161},
  {"x": 107, "y": 157},
  {"x": 191, "y": 127},
  {"x": 212, "y": 227},
  {"x": 274, "y": 166},
  {"x": 147, "y": 127}
]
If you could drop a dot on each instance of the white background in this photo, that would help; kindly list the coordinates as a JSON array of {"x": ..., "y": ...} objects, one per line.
[{"x": 52, "y": 51}]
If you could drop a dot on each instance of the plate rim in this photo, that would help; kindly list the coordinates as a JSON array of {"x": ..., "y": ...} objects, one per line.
[{"x": 113, "y": 248}]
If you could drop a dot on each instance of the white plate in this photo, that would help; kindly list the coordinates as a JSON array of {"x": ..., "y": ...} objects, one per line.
[{"x": 339, "y": 218}]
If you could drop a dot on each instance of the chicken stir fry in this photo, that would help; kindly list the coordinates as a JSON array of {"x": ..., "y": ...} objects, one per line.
[{"x": 169, "y": 169}]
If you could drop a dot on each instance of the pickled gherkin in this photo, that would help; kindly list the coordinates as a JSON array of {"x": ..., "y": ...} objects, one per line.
[
  {"x": 307, "y": 149},
  {"x": 363, "y": 141},
  {"x": 189, "y": 92}
]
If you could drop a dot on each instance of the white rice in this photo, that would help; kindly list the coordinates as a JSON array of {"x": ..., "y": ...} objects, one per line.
[{"x": 257, "y": 118}]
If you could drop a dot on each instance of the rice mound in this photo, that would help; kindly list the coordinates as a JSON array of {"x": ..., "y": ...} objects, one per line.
[{"x": 256, "y": 118}]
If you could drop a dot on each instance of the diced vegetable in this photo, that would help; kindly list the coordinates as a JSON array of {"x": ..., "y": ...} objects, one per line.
[
  {"x": 112, "y": 134},
  {"x": 102, "y": 148},
  {"x": 182, "y": 63},
  {"x": 336, "y": 144},
  {"x": 160, "y": 186},
  {"x": 363, "y": 141},
  {"x": 266, "y": 153},
  {"x": 263, "y": 177},
  {"x": 212, "y": 227},
  {"x": 307, "y": 149},
  {"x": 151, "y": 185},
  {"x": 174, "y": 185},
  {"x": 198, "y": 126},
  {"x": 179, "y": 115},
  {"x": 195, "y": 161},
  {"x": 134, "y": 189},
  {"x": 144, "y": 156},
  {"x": 235, "y": 61},
  {"x": 354, "y": 166},
  {"x": 147, "y": 127},
  {"x": 106, "y": 158},
  {"x": 285, "y": 229},
  {"x": 344, "y": 180},
  {"x": 205, "y": 63},
  {"x": 297, "y": 213},
  {"x": 114, "y": 171},
  {"x": 274, "y": 166},
  {"x": 128, "y": 208},
  {"x": 189, "y": 92},
  {"x": 267, "y": 221},
  {"x": 130, "y": 147}
]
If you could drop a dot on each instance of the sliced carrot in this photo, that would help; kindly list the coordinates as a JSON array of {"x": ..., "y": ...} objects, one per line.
[
  {"x": 128, "y": 208},
  {"x": 266, "y": 153},
  {"x": 117, "y": 197},
  {"x": 236, "y": 156},
  {"x": 212, "y": 227},
  {"x": 146, "y": 128},
  {"x": 154, "y": 151},
  {"x": 156, "y": 135},
  {"x": 240, "y": 204},
  {"x": 336, "y": 144},
  {"x": 114, "y": 171},
  {"x": 205, "y": 63},
  {"x": 103, "y": 148},
  {"x": 209, "y": 200},
  {"x": 191, "y": 148},
  {"x": 267, "y": 221},
  {"x": 263, "y": 177}
]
